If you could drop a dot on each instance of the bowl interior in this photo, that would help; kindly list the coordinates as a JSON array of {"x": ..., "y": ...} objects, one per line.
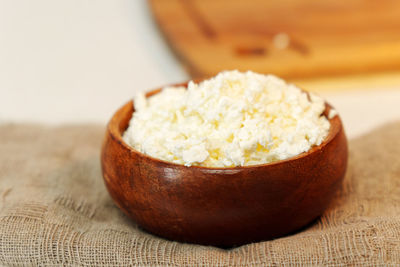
[{"x": 120, "y": 122}]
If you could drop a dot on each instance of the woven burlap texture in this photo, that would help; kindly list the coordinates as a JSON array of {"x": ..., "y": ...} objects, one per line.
[{"x": 55, "y": 210}]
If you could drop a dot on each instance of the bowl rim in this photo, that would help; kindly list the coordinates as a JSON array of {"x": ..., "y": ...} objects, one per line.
[{"x": 113, "y": 129}]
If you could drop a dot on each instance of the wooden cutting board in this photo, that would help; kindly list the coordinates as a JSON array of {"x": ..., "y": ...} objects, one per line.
[{"x": 290, "y": 38}]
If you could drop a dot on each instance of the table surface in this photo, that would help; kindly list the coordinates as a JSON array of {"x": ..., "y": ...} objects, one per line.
[{"x": 76, "y": 62}]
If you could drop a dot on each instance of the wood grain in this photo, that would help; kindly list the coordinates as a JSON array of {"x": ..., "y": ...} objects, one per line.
[
  {"x": 221, "y": 206},
  {"x": 326, "y": 37}
]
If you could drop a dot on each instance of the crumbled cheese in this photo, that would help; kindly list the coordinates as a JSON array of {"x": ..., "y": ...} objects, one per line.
[
  {"x": 233, "y": 119},
  {"x": 332, "y": 113}
]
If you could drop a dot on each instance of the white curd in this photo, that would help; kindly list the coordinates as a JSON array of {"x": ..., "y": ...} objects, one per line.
[{"x": 232, "y": 119}]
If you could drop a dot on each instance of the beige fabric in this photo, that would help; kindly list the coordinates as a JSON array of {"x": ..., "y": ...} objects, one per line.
[{"x": 55, "y": 210}]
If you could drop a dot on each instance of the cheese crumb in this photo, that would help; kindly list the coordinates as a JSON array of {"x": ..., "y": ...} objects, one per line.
[
  {"x": 332, "y": 113},
  {"x": 233, "y": 119}
]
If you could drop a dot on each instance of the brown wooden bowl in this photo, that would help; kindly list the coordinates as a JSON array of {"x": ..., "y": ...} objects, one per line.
[{"x": 221, "y": 206}]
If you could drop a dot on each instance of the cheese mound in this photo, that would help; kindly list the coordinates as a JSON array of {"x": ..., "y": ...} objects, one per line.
[{"x": 233, "y": 119}]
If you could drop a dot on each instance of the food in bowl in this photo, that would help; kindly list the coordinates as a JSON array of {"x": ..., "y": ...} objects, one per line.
[
  {"x": 221, "y": 206},
  {"x": 233, "y": 119}
]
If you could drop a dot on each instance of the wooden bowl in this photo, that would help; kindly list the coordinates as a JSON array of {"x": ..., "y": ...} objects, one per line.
[{"x": 223, "y": 207}]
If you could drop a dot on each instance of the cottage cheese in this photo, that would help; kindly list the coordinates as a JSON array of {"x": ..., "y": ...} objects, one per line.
[{"x": 233, "y": 119}]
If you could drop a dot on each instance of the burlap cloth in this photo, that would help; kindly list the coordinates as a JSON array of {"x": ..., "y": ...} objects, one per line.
[{"x": 55, "y": 210}]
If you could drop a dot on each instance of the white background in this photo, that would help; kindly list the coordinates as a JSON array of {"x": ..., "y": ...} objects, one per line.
[{"x": 77, "y": 61}]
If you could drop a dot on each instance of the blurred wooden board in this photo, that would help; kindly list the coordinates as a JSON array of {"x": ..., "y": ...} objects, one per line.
[{"x": 324, "y": 37}]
